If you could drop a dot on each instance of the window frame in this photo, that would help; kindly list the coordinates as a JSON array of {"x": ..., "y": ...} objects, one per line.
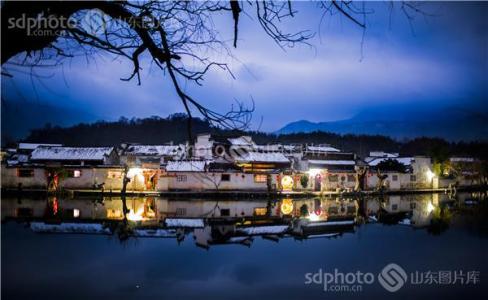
[
  {"x": 256, "y": 176},
  {"x": 333, "y": 178},
  {"x": 72, "y": 173},
  {"x": 181, "y": 178},
  {"x": 21, "y": 170}
]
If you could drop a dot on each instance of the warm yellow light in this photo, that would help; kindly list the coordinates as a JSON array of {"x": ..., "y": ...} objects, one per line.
[
  {"x": 313, "y": 216},
  {"x": 287, "y": 206},
  {"x": 430, "y": 207},
  {"x": 132, "y": 216},
  {"x": 133, "y": 172},
  {"x": 314, "y": 172},
  {"x": 287, "y": 183},
  {"x": 429, "y": 175}
]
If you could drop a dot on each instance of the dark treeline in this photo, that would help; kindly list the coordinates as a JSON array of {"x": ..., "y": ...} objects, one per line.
[{"x": 156, "y": 130}]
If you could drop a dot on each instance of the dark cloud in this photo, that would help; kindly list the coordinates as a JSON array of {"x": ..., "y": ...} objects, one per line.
[{"x": 438, "y": 60}]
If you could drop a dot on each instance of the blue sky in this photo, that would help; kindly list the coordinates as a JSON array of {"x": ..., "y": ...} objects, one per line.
[{"x": 439, "y": 61}]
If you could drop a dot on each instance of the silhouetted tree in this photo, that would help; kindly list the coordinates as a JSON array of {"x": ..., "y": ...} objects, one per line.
[{"x": 172, "y": 33}]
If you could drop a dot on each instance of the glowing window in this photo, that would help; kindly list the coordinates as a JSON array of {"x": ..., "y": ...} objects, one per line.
[
  {"x": 114, "y": 174},
  {"x": 260, "y": 178}
]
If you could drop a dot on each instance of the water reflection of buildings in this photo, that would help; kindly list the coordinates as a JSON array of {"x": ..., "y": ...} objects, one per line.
[
  {"x": 211, "y": 223},
  {"x": 417, "y": 211}
]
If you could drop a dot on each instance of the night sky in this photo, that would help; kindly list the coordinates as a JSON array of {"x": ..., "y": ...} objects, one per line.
[{"x": 437, "y": 61}]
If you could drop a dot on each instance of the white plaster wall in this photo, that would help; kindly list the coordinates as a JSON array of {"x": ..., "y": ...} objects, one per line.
[
  {"x": 11, "y": 180},
  {"x": 212, "y": 181}
]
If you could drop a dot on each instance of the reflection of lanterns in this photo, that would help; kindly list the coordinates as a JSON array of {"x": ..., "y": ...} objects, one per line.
[
  {"x": 287, "y": 183},
  {"x": 286, "y": 206}
]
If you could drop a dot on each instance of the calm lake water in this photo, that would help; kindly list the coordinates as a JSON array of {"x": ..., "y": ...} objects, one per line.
[{"x": 164, "y": 249}]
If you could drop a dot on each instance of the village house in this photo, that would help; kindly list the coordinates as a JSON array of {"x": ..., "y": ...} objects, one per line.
[
  {"x": 328, "y": 168},
  {"x": 251, "y": 166},
  {"x": 207, "y": 175},
  {"x": 463, "y": 171},
  {"x": 53, "y": 167},
  {"x": 21, "y": 154},
  {"x": 392, "y": 172},
  {"x": 145, "y": 164},
  {"x": 229, "y": 163}
]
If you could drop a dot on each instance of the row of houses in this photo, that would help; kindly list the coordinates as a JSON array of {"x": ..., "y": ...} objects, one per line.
[{"x": 214, "y": 163}]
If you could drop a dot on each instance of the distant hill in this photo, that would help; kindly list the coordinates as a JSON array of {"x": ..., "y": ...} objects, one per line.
[{"x": 453, "y": 125}]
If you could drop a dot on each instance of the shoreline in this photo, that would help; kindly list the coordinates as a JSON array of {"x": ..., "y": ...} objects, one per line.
[{"x": 232, "y": 194}]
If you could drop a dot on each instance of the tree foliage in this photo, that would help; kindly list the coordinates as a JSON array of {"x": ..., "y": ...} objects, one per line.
[
  {"x": 391, "y": 165},
  {"x": 156, "y": 130}
]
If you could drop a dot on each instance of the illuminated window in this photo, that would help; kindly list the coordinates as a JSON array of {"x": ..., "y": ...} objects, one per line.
[
  {"x": 260, "y": 178},
  {"x": 413, "y": 178},
  {"x": 394, "y": 177},
  {"x": 25, "y": 173},
  {"x": 76, "y": 213},
  {"x": 260, "y": 211},
  {"x": 74, "y": 173},
  {"x": 225, "y": 177},
  {"x": 114, "y": 214},
  {"x": 114, "y": 174},
  {"x": 181, "y": 178}
]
